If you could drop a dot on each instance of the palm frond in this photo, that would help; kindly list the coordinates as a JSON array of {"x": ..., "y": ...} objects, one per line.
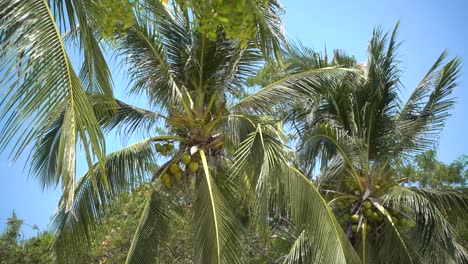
[
  {"x": 423, "y": 116},
  {"x": 453, "y": 202},
  {"x": 342, "y": 59},
  {"x": 45, "y": 154},
  {"x": 282, "y": 93},
  {"x": 115, "y": 114},
  {"x": 432, "y": 229},
  {"x": 392, "y": 238},
  {"x": 260, "y": 156},
  {"x": 216, "y": 230},
  {"x": 378, "y": 98},
  {"x": 351, "y": 149},
  {"x": 38, "y": 84},
  {"x": 270, "y": 29},
  {"x": 332, "y": 174},
  {"x": 84, "y": 19},
  {"x": 322, "y": 239},
  {"x": 233, "y": 65},
  {"x": 75, "y": 228},
  {"x": 150, "y": 237},
  {"x": 300, "y": 58},
  {"x": 146, "y": 54},
  {"x": 277, "y": 186}
]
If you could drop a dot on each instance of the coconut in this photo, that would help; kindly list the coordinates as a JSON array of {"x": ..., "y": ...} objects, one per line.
[
  {"x": 381, "y": 217},
  {"x": 368, "y": 212},
  {"x": 403, "y": 222},
  {"x": 366, "y": 205},
  {"x": 166, "y": 180},
  {"x": 354, "y": 218},
  {"x": 178, "y": 175},
  {"x": 193, "y": 166},
  {"x": 374, "y": 217},
  {"x": 174, "y": 168},
  {"x": 367, "y": 227},
  {"x": 186, "y": 158}
]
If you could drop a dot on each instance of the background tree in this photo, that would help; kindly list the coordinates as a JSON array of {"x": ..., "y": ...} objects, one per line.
[
  {"x": 113, "y": 242},
  {"x": 16, "y": 250},
  {"x": 428, "y": 172},
  {"x": 353, "y": 122}
]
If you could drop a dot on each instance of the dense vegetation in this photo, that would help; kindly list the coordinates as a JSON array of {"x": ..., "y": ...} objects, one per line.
[
  {"x": 210, "y": 178},
  {"x": 15, "y": 250}
]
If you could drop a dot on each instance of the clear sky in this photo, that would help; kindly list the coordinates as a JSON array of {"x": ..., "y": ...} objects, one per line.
[{"x": 427, "y": 28}]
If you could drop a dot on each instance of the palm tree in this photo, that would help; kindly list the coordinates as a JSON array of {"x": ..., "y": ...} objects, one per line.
[
  {"x": 222, "y": 163},
  {"x": 352, "y": 123}
]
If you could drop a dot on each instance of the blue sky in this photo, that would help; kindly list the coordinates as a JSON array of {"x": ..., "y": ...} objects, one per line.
[{"x": 427, "y": 28}]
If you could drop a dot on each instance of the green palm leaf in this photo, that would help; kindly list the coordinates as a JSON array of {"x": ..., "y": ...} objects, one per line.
[
  {"x": 277, "y": 186},
  {"x": 149, "y": 48},
  {"x": 432, "y": 229},
  {"x": 150, "y": 236},
  {"x": 393, "y": 245},
  {"x": 75, "y": 228},
  {"x": 454, "y": 202},
  {"x": 270, "y": 29},
  {"x": 83, "y": 21},
  {"x": 287, "y": 91},
  {"x": 423, "y": 116},
  {"x": 322, "y": 239},
  {"x": 216, "y": 230},
  {"x": 38, "y": 84},
  {"x": 127, "y": 119}
]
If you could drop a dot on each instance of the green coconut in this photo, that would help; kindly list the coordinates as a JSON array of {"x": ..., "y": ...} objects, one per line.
[
  {"x": 166, "y": 180},
  {"x": 367, "y": 205},
  {"x": 174, "y": 168},
  {"x": 354, "y": 218},
  {"x": 403, "y": 222},
  {"x": 186, "y": 158},
  {"x": 178, "y": 175},
  {"x": 368, "y": 212},
  {"x": 193, "y": 166},
  {"x": 374, "y": 217}
]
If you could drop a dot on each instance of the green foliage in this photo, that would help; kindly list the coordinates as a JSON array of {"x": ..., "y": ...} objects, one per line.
[
  {"x": 235, "y": 17},
  {"x": 427, "y": 171},
  {"x": 243, "y": 21},
  {"x": 14, "y": 250},
  {"x": 113, "y": 242},
  {"x": 269, "y": 73},
  {"x": 118, "y": 16},
  {"x": 296, "y": 59},
  {"x": 117, "y": 229}
]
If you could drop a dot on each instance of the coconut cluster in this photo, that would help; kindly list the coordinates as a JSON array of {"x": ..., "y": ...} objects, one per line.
[
  {"x": 184, "y": 163},
  {"x": 165, "y": 149},
  {"x": 375, "y": 218}
]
